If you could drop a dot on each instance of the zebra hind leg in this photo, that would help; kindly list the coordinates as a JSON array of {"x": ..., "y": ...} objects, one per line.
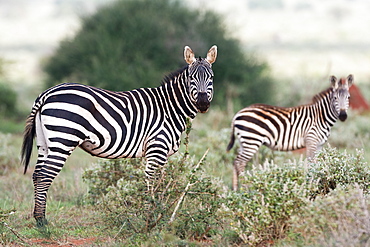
[
  {"x": 238, "y": 170},
  {"x": 47, "y": 168},
  {"x": 42, "y": 154},
  {"x": 245, "y": 154}
]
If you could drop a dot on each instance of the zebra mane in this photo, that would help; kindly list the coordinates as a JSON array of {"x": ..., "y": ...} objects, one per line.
[
  {"x": 168, "y": 78},
  {"x": 321, "y": 95}
]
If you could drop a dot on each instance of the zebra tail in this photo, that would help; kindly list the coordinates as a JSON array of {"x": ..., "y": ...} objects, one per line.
[
  {"x": 28, "y": 136},
  {"x": 232, "y": 139}
]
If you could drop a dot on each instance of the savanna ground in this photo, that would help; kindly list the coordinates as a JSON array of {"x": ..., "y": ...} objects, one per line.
[{"x": 77, "y": 220}]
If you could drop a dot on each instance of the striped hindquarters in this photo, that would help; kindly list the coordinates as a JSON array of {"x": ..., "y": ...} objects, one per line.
[{"x": 279, "y": 128}]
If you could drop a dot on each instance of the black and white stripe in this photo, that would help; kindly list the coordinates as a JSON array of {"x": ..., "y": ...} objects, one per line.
[
  {"x": 145, "y": 122},
  {"x": 287, "y": 129}
]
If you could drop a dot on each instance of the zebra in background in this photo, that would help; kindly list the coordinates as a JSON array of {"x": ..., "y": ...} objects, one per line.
[
  {"x": 145, "y": 122},
  {"x": 287, "y": 129}
]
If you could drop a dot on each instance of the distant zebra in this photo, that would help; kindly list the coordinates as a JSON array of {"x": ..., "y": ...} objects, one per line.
[
  {"x": 287, "y": 129},
  {"x": 145, "y": 122}
]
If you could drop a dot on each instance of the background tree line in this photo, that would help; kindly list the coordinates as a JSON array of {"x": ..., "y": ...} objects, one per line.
[{"x": 130, "y": 44}]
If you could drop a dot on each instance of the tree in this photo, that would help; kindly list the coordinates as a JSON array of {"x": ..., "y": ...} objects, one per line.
[
  {"x": 8, "y": 97},
  {"x": 131, "y": 44}
]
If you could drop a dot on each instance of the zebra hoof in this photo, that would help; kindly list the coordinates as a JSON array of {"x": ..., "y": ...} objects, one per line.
[{"x": 41, "y": 222}]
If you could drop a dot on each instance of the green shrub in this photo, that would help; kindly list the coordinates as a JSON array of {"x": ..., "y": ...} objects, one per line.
[
  {"x": 8, "y": 154},
  {"x": 333, "y": 168},
  {"x": 8, "y": 100},
  {"x": 184, "y": 202},
  {"x": 272, "y": 194},
  {"x": 106, "y": 173},
  {"x": 7, "y": 234},
  {"x": 126, "y": 204},
  {"x": 269, "y": 196},
  {"x": 342, "y": 218}
]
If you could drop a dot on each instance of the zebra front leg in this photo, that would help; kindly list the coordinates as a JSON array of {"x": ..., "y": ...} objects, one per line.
[
  {"x": 152, "y": 171},
  {"x": 156, "y": 158},
  {"x": 312, "y": 147}
]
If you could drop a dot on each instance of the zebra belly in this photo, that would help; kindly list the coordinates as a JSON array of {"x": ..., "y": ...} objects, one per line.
[
  {"x": 287, "y": 145},
  {"x": 123, "y": 151}
]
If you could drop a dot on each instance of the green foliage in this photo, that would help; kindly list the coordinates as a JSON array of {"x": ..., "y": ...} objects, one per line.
[
  {"x": 269, "y": 196},
  {"x": 131, "y": 44},
  {"x": 127, "y": 206},
  {"x": 272, "y": 194},
  {"x": 8, "y": 100},
  {"x": 333, "y": 168},
  {"x": 183, "y": 204},
  {"x": 342, "y": 218},
  {"x": 8, "y": 155},
  {"x": 7, "y": 234},
  {"x": 106, "y": 173},
  {"x": 8, "y": 97}
]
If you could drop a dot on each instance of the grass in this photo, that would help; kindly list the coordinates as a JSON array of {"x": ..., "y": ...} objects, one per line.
[{"x": 72, "y": 220}]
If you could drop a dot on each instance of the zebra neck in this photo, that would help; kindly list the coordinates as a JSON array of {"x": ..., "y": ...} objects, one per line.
[
  {"x": 176, "y": 99},
  {"x": 323, "y": 103}
]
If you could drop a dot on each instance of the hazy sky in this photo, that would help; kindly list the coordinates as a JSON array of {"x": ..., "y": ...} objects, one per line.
[{"x": 296, "y": 37}]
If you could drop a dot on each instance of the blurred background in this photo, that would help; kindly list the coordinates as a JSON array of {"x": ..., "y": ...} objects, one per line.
[{"x": 279, "y": 52}]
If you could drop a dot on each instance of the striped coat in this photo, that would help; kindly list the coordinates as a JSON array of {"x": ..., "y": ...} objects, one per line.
[
  {"x": 286, "y": 129},
  {"x": 145, "y": 122}
]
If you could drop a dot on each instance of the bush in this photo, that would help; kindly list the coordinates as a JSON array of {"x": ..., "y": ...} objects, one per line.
[
  {"x": 333, "y": 168},
  {"x": 106, "y": 174},
  {"x": 342, "y": 218},
  {"x": 7, "y": 234},
  {"x": 269, "y": 196},
  {"x": 8, "y": 155},
  {"x": 8, "y": 100},
  {"x": 130, "y": 44},
  {"x": 272, "y": 194},
  {"x": 184, "y": 203}
]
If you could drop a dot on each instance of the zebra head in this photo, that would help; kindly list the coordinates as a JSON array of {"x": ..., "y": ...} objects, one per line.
[
  {"x": 340, "y": 97},
  {"x": 200, "y": 78}
]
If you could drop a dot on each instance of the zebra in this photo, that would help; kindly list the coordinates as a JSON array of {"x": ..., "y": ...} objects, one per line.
[
  {"x": 287, "y": 129},
  {"x": 145, "y": 122}
]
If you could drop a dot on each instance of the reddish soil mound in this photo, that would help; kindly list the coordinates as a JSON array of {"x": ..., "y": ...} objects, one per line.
[{"x": 357, "y": 100}]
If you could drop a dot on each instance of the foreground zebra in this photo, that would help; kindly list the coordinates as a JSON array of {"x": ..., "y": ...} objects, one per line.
[
  {"x": 146, "y": 122},
  {"x": 287, "y": 129}
]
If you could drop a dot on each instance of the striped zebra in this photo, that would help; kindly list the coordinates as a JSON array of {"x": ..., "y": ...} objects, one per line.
[
  {"x": 145, "y": 122},
  {"x": 286, "y": 129}
]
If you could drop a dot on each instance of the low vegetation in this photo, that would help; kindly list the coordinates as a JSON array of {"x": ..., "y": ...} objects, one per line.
[{"x": 282, "y": 202}]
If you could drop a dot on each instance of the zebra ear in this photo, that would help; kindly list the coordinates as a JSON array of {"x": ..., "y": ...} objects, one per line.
[
  {"x": 350, "y": 80},
  {"x": 189, "y": 55},
  {"x": 333, "y": 81},
  {"x": 212, "y": 54}
]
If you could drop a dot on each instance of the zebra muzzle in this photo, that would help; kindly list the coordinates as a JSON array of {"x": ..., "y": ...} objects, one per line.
[
  {"x": 203, "y": 102},
  {"x": 342, "y": 115}
]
